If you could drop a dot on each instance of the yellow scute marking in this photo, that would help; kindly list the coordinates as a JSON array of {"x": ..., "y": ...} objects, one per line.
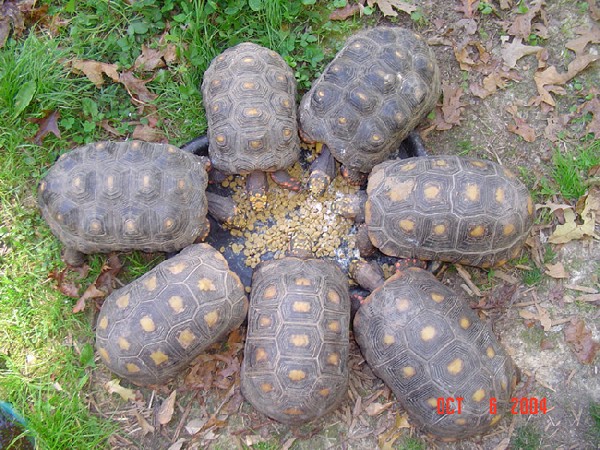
[
  {"x": 407, "y": 225},
  {"x": 500, "y": 195},
  {"x": 176, "y": 303},
  {"x": 265, "y": 321},
  {"x": 460, "y": 421},
  {"x": 477, "y": 231},
  {"x": 472, "y": 192},
  {"x": 132, "y": 368},
  {"x": 439, "y": 229},
  {"x": 177, "y": 268},
  {"x": 464, "y": 323},
  {"x": 147, "y": 324},
  {"x": 260, "y": 354},
  {"x": 402, "y": 304},
  {"x": 324, "y": 392},
  {"x": 266, "y": 387},
  {"x": 293, "y": 411},
  {"x": 456, "y": 366},
  {"x": 186, "y": 337},
  {"x": 408, "y": 372},
  {"x": 437, "y": 297},
  {"x": 299, "y": 340},
  {"x": 334, "y": 325},
  {"x": 302, "y": 282},
  {"x": 103, "y": 323},
  {"x": 270, "y": 292},
  {"x": 299, "y": 306},
  {"x": 398, "y": 192},
  {"x": 211, "y": 318},
  {"x": 478, "y": 395},
  {"x": 104, "y": 354},
  {"x": 408, "y": 167},
  {"x": 296, "y": 375},
  {"x": 490, "y": 352},
  {"x": 333, "y": 297},
  {"x": 124, "y": 343},
  {"x": 159, "y": 357},
  {"x": 432, "y": 402},
  {"x": 388, "y": 339},
  {"x": 508, "y": 229},
  {"x": 428, "y": 333},
  {"x": 431, "y": 192},
  {"x": 150, "y": 283},
  {"x": 206, "y": 284},
  {"x": 529, "y": 206},
  {"x": 333, "y": 359}
]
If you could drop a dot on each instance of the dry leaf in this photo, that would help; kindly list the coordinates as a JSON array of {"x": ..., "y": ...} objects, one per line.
[
  {"x": 514, "y": 51},
  {"x": 522, "y": 24},
  {"x": 571, "y": 230},
  {"x": 46, "y": 125},
  {"x": 144, "y": 425},
  {"x": 67, "y": 287},
  {"x": 520, "y": 127},
  {"x": 387, "y": 6},
  {"x": 593, "y": 107},
  {"x": 195, "y": 425},
  {"x": 492, "y": 82},
  {"x": 178, "y": 444},
  {"x": 467, "y": 7},
  {"x": 114, "y": 387},
  {"x": 548, "y": 79},
  {"x": 580, "y": 340},
  {"x": 147, "y": 133},
  {"x": 451, "y": 108},
  {"x": 544, "y": 318},
  {"x": 556, "y": 270},
  {"x": 386, "y": 439},
  {"x": 137, "y": 88},
  {"x": 151, "y": 59},
  {"x": 376, "y": 408},
  {"x": 590, "y": 36},
  {"x": 347, "y": 11},
  {"x": 11, "y": 17},
  {"x": 91, "y": 292},
  {"x": 165, "y": 412},
  {"x": 95, "y": 70}
]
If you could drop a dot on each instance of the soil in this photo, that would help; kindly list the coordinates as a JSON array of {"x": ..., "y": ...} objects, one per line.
[{"x": 210, "y": 412}]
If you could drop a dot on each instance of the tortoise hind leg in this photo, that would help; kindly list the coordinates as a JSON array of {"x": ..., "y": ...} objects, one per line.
[
  {"x": 413, "y": 145},
  {"x": 322, "y": 171},
  {"x": 353, "y": 176},
  {"x": 256, "y": 188},
  {"x": 72, "y": 257},
  {"x": 285, "y": 180}
]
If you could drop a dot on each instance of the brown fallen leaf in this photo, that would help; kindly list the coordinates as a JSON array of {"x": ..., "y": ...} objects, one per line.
[
  {"x": 594, "y": 10},
  {"x": 386, "y": 439},
  {"x": 589, "y": 35},
  {"x": 571, "y": 230},
  {"x": 467, "y": 7},
  {"x": 592, "y": 107},
  {"x": 451, "y": 108},
  {"x": 515, "y": 50},
  {"x": 520, "y": 127},
  {"x": 144, "y": 132},
  {"x": 579, "y": 339},
  {"x": 91, "y": 292},
  {"x": 165, "y": 412},
  {"x": 114, "y": 387},
  {"x": 46, "y": 125},
  {"x": 151, "y": 58},
  {"x": 522, "y": 23},
  {"x": 388, "y": 7},
  {"x": 347, "y": 11},
  {"x": 178, "y": 444},
  {"x": 556, "y": 270},
  {"x": 104, "y": 283},
  {"x": 377, "y": 408},
  {"x": 492, "y": 82},
  {"x": 548, "y": 79},
  {"x": 67, "y": 287},
  {"x": 95, "y": 70},
  {"x": 11, "y": 17},
  {"x": 136, "y": 88},
  {"x": 112, "y": 130},
  {"x": 144, "y": 425}
]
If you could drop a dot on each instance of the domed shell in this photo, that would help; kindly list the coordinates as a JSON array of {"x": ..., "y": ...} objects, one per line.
[
  {"x": 295, "y": 366},
  {"x": 376, "y": 90},
  {"x": 249, "y": 94},
  {"x": 426, "y": 344},
  {"x": 154, "y": 327},
  {"x": 448, "y": 208},
  {"x": 121, "y": 196}
]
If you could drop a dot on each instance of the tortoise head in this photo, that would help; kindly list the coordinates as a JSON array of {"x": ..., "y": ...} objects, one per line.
[
  {"x": 367, "y": 274},
  {"x": 301, "y": 246}
]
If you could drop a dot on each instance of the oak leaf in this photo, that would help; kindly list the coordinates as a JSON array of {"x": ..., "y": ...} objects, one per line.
[
  {"x": 95, "y": 70},
  {"x": 46, "y": 125},
  {"x": 136, "y": 88},
  {"x": 114, "y": 387},
  {"x": 167, "y": 408},
  {"x": 515, "y": 50},
  {"x": 388, "y": 7},
  {"x": 579, "y": 339}
]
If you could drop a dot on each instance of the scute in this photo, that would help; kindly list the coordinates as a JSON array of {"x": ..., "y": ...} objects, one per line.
[
  {"x": 298, "y": 323},
  {"x": 167, "y": 321},
  {"x": 388, "y": 76},
  {"x": 245, "y": 92},
  {"x": 447, "y": 208},
  {"x": 111, "y": 196},
  {"x": 434, "y": 356}
]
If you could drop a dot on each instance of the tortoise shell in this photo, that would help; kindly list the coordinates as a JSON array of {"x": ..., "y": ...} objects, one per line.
[
  {"x": 426, "y": 343},
  {"x": 295, "y": 366},
  {"x": 448, "y": 208},
  {"x": 249, "y": 94},
  {"x": 154, "y": 327},
  {"x": 381, "y": 84},
  {"x": 121, "y": 196}
]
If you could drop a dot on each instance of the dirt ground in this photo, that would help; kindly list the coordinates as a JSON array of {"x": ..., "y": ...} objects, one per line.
[{"x": 209, "y": 411}]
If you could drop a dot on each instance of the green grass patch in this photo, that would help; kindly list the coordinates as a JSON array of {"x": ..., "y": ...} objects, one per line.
[
  {"x": 411, "y": 443},
  {"x": 526, "y": 437}
]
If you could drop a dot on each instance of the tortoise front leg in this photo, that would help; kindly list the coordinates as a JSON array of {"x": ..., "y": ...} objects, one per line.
[
  {"x": 286, "y": 181},
  {"x": 223, "y": 209},
  {"x": 322, "y": 171},
  {"x": 72, "y": 257},
  {"x": 353, "y": 176},
  {"x": 256, "y": 187}
]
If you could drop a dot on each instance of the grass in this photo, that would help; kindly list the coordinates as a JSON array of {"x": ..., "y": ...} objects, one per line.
[{"x": 526, "y": 437}]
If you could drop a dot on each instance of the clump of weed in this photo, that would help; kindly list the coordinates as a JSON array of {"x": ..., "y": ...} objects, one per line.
[{"x": 526, "y": 437}]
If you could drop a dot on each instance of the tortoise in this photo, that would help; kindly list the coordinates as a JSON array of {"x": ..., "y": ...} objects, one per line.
[
  {"x": 377, "y": 89},
  {"x": 249, "y": 94},
  {"x": 426, "y": 344},
  {"x": 295, "y": 366},
  {"x": 151, "y": 329},
  {"x": 446, "y": 208},
  {"x": 122, "y": 196}
]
